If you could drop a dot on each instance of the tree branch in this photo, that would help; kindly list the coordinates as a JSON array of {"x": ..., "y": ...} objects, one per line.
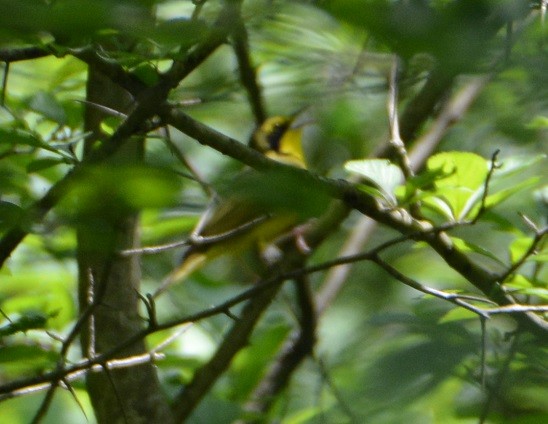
[{"x": 396, "y": 218}]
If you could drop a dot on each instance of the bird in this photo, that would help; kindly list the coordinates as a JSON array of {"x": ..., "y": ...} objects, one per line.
[{"x": 239, "y": 221}]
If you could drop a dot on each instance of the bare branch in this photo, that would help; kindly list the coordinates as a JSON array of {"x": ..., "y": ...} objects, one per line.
[
  {"x": 492, "y": 167},
  {"x": 392, "y": 104},
  {"x": 248, "y": 78},
  {"x": 530, "y": 252},
  {"x": 22, "y": 53}
]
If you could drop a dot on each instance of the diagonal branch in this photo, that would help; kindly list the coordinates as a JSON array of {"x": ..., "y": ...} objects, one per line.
[{"x": 398, "y": 219}]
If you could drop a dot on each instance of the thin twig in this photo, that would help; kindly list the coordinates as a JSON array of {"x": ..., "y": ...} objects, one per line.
[
  {"x": 392, "y": 104},
  {"x": 46, "y": 403},
  {"x": 483, "y": 322},
  {"x": 10, "y": 389},
  {"x": 17, "y": 54},
  {"x": 74, "y": 332},
  {"x": 492, "y": 167},
  {"x": 503, "y": 371},
  {"x": 117, "y": 394},
  {"x": 106, "y": 110},
  {"x": 152, "y": 250},
  {"x": 528, "y": 253},
  {"x": 200, "y": 240},
  {"x": 195, "y": 175},
  {"x": 71, "y": 390},
  {"x": 248, "y": 77},
  {"x": 345, "y": 407},
  {"x": 147, "y": 106},
  {"x": 451, "y": 297}
]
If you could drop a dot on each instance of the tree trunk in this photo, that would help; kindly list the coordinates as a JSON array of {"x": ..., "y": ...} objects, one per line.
[{"x": 111, "y": 282}]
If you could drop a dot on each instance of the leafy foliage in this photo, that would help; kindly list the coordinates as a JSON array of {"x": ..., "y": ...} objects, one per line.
[{"x": 424, "y": 330}]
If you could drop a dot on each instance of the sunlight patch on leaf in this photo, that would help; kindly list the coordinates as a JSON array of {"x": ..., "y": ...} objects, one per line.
[
  {"x": 519, "y": 281},
  {"x": 519, "y": 247},
  {"x": 462, "y": 184},
  {"x": 381, "y": 172},
  {"x": 538, "y": 122},
  {"x": 457, "y": 314}
]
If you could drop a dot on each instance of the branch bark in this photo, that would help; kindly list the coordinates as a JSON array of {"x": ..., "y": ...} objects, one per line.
[{"x": 112, "y": 282}]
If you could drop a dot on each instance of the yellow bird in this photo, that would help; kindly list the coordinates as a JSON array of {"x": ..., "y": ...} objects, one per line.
[{"x": 240, "y": 221}]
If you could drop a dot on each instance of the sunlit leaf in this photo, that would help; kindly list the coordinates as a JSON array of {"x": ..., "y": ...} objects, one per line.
[
  {"x": 462, "y": 184},
  {"x": 422, "y": 181},
  {"x": 536, "y": 291},
  {"x": 523, "y": 285},
  {"x": 518, "y": 281},
  {"x": 439, "y": 206},
  {"x": 380, "y": 172},
  {"x": 519, "y": 247},
  {"x": 458, "y": 314},
  {"x": 538, "y": 122}
]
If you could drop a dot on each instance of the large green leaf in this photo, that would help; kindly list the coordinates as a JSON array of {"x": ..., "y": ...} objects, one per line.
[
  {"x": 461, "y": 186},
  {"x": 381, "y": 172}
]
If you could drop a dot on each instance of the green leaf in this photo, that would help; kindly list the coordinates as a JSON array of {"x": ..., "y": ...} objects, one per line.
[
  {"x": 465, "y": 246},
  {"x": 380, "y": 172},
  {"x": 414, "y": 185},
  {"x": 45, "y": 104},
  {"x": 518, "y": 281},
  {"x": 538, "y": 122},
  {"x": 29, "y": 320},
  {"x": 10, "y": 214},
  {"x": 162, "y": 227},
  {"x": 462, "y": 184},
  {"x": 146, "y": 73},
  {"x": 19, "y": 137},
  {"x": 536, "y": 291},
  {"x": 31, "y": 356},
  {"x": 457, "y": 314},
  {"x": 519, "y": 247},
  {"x": 523, "y": 285},
  {"x": 517, "y": 163},
  {"x": 505, "y": 193},
  {"x": 438, "y": 205},
  {"x": 45, "y": 163}
]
